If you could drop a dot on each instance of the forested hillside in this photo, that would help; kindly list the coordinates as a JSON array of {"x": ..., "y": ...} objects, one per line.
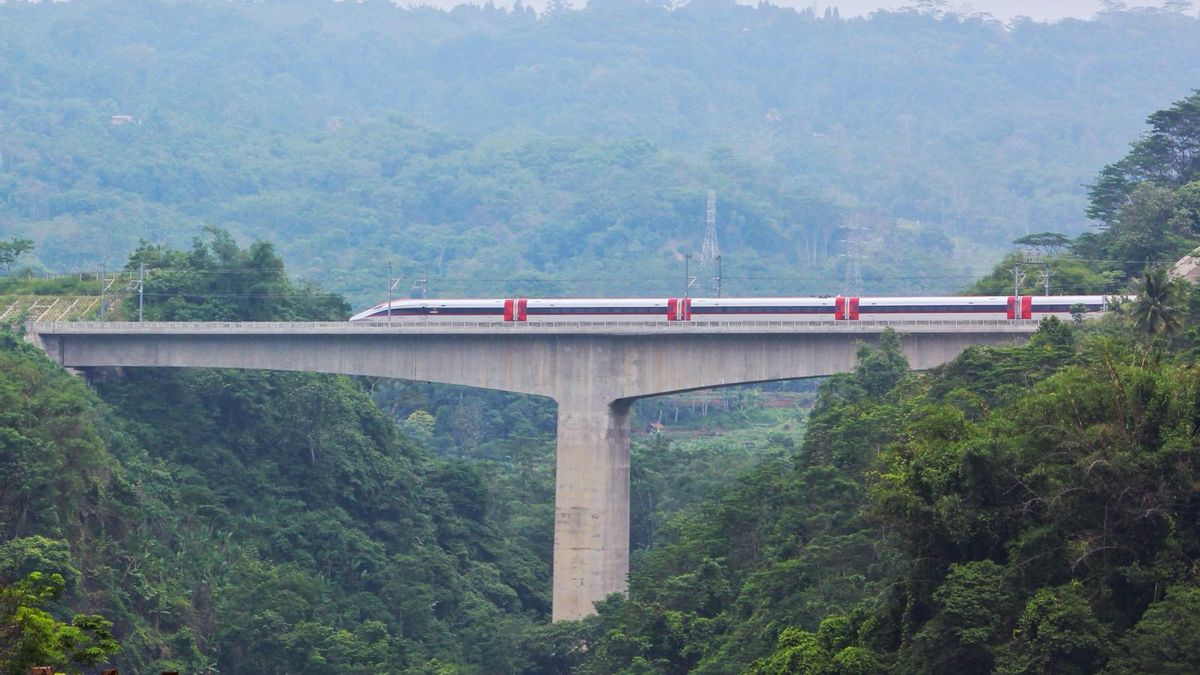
[
  {"x": 503, "y": 152},
  {"x": 1021, "y": 510},
  {"x": 253, "y": 522}
]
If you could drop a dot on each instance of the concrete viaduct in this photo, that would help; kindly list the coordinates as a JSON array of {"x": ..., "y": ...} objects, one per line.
[{"x": 593, "y": 370}]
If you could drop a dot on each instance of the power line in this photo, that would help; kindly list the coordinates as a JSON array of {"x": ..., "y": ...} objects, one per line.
[{"x": 192, "y": 294}]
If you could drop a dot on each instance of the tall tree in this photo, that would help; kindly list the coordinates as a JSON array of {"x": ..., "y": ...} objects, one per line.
[
  {"x": 1158, "y": 306},
  {"x": 1168, "y": 155},
  {"x": 12, "y": 249},
  {"x": 31, "y": 636}
]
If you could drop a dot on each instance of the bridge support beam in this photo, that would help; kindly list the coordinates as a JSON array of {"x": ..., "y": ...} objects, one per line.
[{"x": 591, "y": 505}]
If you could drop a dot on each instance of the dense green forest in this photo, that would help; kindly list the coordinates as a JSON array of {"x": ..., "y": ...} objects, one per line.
[
  {"x": 498, "y": 151},
  {"x": 259, "y": 522},
  {"x": 1021, "y": 510}
]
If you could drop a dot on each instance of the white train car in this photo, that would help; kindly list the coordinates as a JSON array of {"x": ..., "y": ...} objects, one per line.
[
  {"x": 948, "y": 308},
  {"x": 1061, "y": 306},
  {"x": 544, "y": 310},
  {"x": 762, "y": 309},
  {"x": 435, "y": 310}
]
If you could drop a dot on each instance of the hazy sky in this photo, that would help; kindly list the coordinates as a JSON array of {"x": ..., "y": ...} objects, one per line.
[
  {"x": 1041, "y": 10},
  {"x": 1044, "y": 10}
]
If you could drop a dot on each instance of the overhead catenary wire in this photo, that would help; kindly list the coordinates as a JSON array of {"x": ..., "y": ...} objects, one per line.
[
  {"x": 614, "y": 279},
  {"x": 280, "y": 270}
]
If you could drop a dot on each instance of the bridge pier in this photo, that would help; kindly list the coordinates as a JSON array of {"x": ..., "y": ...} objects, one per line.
[{"x": 591, "y": 505}]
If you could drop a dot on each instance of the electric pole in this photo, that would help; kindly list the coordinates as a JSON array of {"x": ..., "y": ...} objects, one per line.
[
  {"x": 1044, "y": 277},
  {"x": 688, "y": 279},
  {"x": 106, "y": 285},
  {"x": 422, "y": 284},
  {"x": 392, "y": 283},
  {"x": 139, "y": 284}
]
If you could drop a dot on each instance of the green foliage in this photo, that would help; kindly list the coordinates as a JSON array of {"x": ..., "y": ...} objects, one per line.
[
  {"x": 1048, "y": 242},
  {"x": 219, "y": 281},
  {"x": 796, "y": 651},
  {"x": 11, "y": 249},
  {"x": 274, "y": 522},
  {"x": 373, "y": 529},
  {"x": 855, "y": 660},
  {"x": 421, "y": 422},
  {"x": 1068, "y": 275},
  {"x": 1158, "y": 303},
  {"x": 25, "y": 555},
  {"x": 973, "y": 603},
  {"x": 879, "y": 369},
  {"x": 1165, "y": 156},
  {"x": 1057, "y": 633},
  {"x": 52, "y": 458},
  {"x": 1081, "y": 476},
  {"x": 81, "y": 284},
  {"x": 31, "y": 636},
  {"x": 1146, "y": 202},
  {"x": 1147, "y": 208},
  {"x": 1166, "y": 639}
]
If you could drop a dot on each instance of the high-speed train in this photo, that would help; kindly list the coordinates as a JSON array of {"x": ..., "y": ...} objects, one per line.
[{"x": 839, "y": 308}]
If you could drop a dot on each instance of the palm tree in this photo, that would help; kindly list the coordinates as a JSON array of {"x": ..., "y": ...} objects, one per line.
[{"x": 1158, "y": 305}]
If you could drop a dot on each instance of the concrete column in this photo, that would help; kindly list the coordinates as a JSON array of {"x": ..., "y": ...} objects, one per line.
[{"x": 591, "y": 505}]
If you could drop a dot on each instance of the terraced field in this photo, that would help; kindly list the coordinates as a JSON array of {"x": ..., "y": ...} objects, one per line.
[{"x": 19, "y": 308}]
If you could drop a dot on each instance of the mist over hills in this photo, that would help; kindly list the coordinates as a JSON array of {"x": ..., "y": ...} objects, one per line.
[{"x": 571, "y": 152}]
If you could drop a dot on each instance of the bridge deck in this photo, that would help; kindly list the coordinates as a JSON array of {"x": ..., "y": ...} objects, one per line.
[{"x": 538, "y": 328}]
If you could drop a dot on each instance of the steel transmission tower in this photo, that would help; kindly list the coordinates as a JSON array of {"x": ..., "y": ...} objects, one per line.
[
  {"x": 856, "y": 241},
  {"x": 710, "y": 251}
]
